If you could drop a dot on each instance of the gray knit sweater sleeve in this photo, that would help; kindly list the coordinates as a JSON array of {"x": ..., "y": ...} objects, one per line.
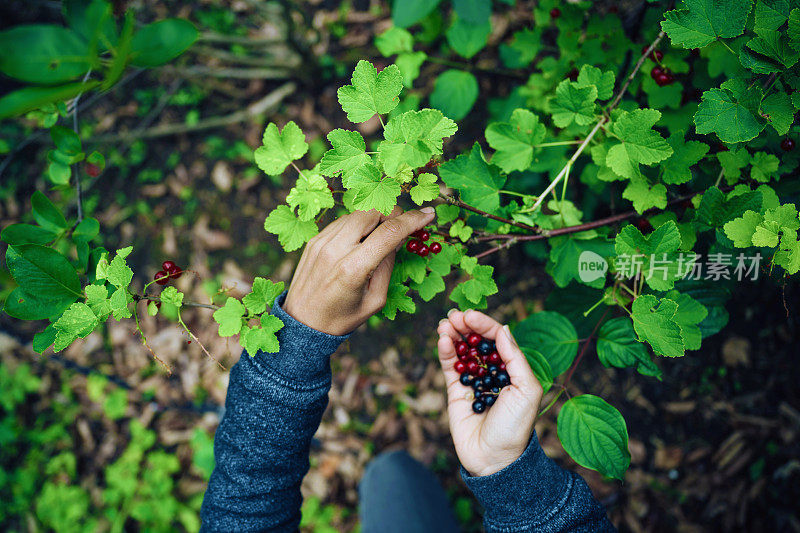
[
  {"x": 273, "y": 408},
  {"x": 535, "y": 494}
]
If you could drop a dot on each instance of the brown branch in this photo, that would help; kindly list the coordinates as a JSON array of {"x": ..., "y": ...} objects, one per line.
[{"x": 453, "y": 201}]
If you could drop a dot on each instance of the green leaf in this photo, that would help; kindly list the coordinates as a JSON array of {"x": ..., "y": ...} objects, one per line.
[
  {"x": 701, "y": 22},
  {"x": 43, "y": 53},
  {"x": 371, "y": 92},
  {"x": 514, "y": 141},
  {"x": 468, "y": 38},
  {"x": 780, "y": 112},
  {"x": 645, "y": 196},
  {"x": 741, "y": 229},
  {"x": 551, "y": 334},
  {"x": 263, "y": 295},
  {"x": 573, "y": 103},
  {"x": 478, "y": 183},
  {"x": 280, "y": 148},
  {"x": 310, "y": 195},
  {"x": 409, "y": 12},
  {"x": 412, "y": 139},
  {"x": 26, "y": 234},
  {"x": 638, "y": 142},
  {"x": 374, "y": 191},
  {"x": 394, "y": 41},
  {"x": 398, "y": 300},
  {"x": 432, "y": 285},
  {"x": 46, "y": 213},
  {"x": 454, "y": 93},
  {"x": 27, "y": 99},
  {"x": 594, "y": 434},
  {"x": 347, "y": 155},
  {"x": 617, "y": 346},
  {"x": 425, "y": 190},
  {"x": 677, "y": 167},
  {"x": 170, "y": 295},
  {"x": 291, "y": 231},
  {"x": 657, "y": 252},
  {"x": 160, "y": 42},
  {"x": 655, "y": 323},
  {"x": 45, "y": 273},
  {"x": 77, "y": 321},
  {"x": 229, "y": 317},
  {"x": 690, "y": 313},
  {"x": 541, "y": 368},
  {"x": 262, "y": 338},
  {"x": 764, "y": 166},
  {"x": 731, "y": 112},
  {"x": 602, "y": 81}
]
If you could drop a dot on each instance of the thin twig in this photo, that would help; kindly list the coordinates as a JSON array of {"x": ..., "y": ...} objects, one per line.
[{"x": 459, "y": 203}]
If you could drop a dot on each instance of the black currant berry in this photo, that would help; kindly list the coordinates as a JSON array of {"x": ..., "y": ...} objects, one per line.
[
  {"x": 485, "y": 347},
  {"x": 478, "y": 406},
  {"x": 502, "y": 379}
]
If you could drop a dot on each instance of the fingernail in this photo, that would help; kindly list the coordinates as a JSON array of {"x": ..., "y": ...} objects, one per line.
[
  {"x": 510, "y": 336},
  {"x": 451, "y": 311},
  {"x": 427, "y": 210}
]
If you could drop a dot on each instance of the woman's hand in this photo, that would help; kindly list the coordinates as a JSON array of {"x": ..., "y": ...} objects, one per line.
[
  {"x": 343, "y": 275},
  {"x": 488, "y": 442}
]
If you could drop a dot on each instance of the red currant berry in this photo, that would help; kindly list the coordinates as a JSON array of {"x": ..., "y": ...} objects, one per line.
[
  {"x": 555, "y": 13},
  {"x": 461, "y": 349},
  {"x": 481, "y": 371},
  {"x": 460, "y": 367},
  {"x": 413, "y": 246},
  {"x": 787, "y": 145},
  {"x": 656, "y": 72},
  {"x": 472, "y": 367},
  {"x": 473, "y": 339},
  {"x": 423, "y": 250},
  {"x": 494, "y": 358},
  {"x": 665, "y": 79},
  {"x": 161, "y": 277},
  {"x": 435, "y": 247},
  {"x": 92, "y": 170}
]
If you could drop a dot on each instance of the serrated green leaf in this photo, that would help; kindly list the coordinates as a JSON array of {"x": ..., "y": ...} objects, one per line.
[
  {"x": 310, "y": 195},
  {"x": 291, "y": 231},
  {"x": 347, "y": 155},
  {"x": 654, "y": 323},
  {"x": 594, "y": 434},
  {"x": 573, "y": 103},
  {"x": 371, "y": 92},
  {"x": 263, "y": 295},
  {"x": 478, "y": 183},
  {"x": 229, "y": 317},
  {"x": 700, "y": 22},
  {"x": 514, "y": 141},
  {"x": 280, "y": 148}
]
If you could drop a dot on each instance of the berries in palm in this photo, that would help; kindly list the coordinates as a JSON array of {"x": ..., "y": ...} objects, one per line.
[{"x": 481, "y": 369}]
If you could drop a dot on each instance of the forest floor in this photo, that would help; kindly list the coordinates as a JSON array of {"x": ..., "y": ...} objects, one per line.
[{"x": 714, "y": 446}]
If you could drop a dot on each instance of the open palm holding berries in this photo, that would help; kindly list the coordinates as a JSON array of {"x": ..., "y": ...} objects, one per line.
[{"x": 490, "y": 437}]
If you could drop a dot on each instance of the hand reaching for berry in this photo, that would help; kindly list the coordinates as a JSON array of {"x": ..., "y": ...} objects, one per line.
[
  {"x": 343, "y": 275},
  {"x": 489, "y": 441}
]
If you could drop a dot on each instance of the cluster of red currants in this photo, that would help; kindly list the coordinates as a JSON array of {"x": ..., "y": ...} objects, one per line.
[
  {"x": 660, "y": 74},
  {"x": 482, "y": 369},
  {"x": 169, "y": 270},
  {"x": 417, "y": 244}
]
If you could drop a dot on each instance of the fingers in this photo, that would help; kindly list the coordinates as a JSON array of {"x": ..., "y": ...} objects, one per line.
[
  {"x": 390, "y": 234},
  {"x": 516, "y": 365}
]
